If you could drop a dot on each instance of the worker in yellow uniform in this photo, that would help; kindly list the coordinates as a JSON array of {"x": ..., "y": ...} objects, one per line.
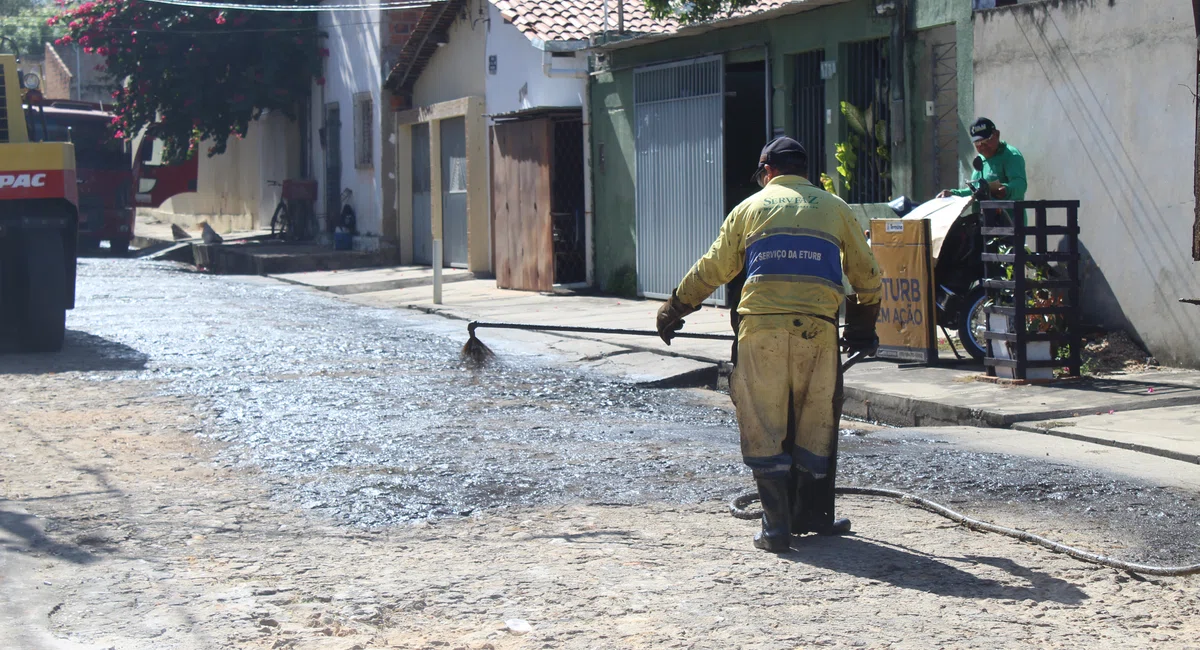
[{"x": 794, "y": 242}]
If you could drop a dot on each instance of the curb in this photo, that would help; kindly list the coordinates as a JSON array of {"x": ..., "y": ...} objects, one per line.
[
  {"x": 1032, "y": 427},
  {"x": 899, "y": 411}
]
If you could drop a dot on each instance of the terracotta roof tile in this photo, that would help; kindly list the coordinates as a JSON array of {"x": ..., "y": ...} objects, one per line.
[{"x": 573, "y": 20}]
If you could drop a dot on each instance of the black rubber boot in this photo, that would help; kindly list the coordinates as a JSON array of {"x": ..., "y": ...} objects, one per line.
[
  {"x": 775, "y": 535},
  {"x": 812, "y": 505}
]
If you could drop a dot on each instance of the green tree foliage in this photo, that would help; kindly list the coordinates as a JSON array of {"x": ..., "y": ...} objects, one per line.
[
  {"x": 25, "y": 21},
  {"x": 694, "y": 11},
  {"x": 193, "y": 75}
]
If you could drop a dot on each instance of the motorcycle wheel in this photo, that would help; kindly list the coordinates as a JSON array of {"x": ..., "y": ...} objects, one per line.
[{"x": 972, "y": 323}]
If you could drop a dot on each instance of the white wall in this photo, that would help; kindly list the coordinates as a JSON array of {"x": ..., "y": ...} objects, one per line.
[
  {"x": 353, "y": 66},
  {"x": 1098, "y": 96},
  {"x": 456, "y": 69},
  {"x": 232, "y": 191},
  {"x": 519, "y": 82}
]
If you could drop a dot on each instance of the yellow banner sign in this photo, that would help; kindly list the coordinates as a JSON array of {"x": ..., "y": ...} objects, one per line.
[{"x": 907, "y": 318}]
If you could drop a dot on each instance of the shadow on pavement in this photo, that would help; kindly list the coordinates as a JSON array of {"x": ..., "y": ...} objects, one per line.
[
  {"x": 30, "y": 538},
  {"x": 910, "y": 570},
  {"x": 82, "y": 352},
  {"x": 1124, "y": 386}
]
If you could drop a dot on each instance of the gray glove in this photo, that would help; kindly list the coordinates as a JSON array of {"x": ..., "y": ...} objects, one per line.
[
  {"x": 859, "y": 335},
  {"x": 670, "y": 317}
]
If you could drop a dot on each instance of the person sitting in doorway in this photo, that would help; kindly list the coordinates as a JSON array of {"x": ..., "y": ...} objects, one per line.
[{"x": 1003, "y": 165}]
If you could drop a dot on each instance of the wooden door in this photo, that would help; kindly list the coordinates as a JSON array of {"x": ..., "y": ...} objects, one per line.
[{"x": 521, "y": 190}]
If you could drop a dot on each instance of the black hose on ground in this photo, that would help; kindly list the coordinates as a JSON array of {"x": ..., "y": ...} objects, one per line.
[{"x": 738, "y": 507}]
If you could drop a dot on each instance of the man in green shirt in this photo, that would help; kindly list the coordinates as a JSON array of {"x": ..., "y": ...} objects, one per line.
[{"x": 1003, "y": 164}]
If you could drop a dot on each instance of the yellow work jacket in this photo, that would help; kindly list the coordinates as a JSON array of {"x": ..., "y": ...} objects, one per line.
[{"x": 795, "y": 242}]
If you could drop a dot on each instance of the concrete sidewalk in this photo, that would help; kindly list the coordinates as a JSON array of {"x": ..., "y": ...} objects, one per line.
[
  {"x": 350, "y": 281},
  {"x": 1156, "y": 411}
]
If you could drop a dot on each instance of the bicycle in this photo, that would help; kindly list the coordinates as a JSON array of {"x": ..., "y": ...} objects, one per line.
[{"x": 294, "y": 219}]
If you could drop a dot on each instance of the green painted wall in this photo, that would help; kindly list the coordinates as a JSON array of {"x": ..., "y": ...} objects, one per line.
[
  {"x": 931, "y": 13},
  {"x": 613, "y": 156},
  {"x": 828, "y": 28},
  {"x": 934, "y": 13}
]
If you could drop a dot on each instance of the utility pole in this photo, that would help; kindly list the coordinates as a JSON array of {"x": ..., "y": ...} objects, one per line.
[{"x": 1196, "y": 159}]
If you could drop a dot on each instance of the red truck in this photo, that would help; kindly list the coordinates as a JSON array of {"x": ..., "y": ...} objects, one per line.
[
  {"x": 112, "y": 183},
  {"x": 103, "y": 170}
]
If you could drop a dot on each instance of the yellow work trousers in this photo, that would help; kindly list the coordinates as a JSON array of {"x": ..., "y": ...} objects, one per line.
[{"x": 787, "y": 390}]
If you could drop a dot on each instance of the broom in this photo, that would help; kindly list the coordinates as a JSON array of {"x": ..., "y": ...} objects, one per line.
[{"x": 477, "y": 353}]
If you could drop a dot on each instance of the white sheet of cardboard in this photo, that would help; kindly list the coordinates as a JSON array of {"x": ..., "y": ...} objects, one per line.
[{"x": 941, "y": 214}]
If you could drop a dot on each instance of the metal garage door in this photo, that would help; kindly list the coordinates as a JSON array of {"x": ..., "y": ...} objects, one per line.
[
  {"x": 454, "y": 191},
  {"x": 679, "y": 111},
  {"x": 422, "y": 209}
]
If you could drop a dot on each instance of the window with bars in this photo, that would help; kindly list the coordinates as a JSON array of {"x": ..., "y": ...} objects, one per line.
[
  {"x": 810, "y": 110},
  {"x": 457, "y": 182},
  {"x": 364, "y": 132},
  {"x": 868, "y": 83}
]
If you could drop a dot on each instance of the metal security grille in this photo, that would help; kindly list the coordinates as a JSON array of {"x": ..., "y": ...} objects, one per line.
[
  {"x": 566, "y": 203},
  {"x": 422, "y": 188},
  {"x": 4, "y": 136},
  {"x": 810, "y": 110},
  {"x": 678, "y": 125},
  {"x": 364, "y": 131},
  {"x": 944, "y": 63},
  {"x": 454, "y": 191},
  {"x": 333, "y": 162},
  {"x": 867, "y": 90}
]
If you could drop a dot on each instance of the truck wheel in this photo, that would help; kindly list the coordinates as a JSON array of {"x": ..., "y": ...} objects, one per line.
[
  {"x": 45, "y": 322},
  {"x": 972, "y": 323},
  {"x": 119, "y": 246}
]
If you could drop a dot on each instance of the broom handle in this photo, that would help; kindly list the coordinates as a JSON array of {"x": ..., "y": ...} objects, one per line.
[{"x": 593, "y": 330}]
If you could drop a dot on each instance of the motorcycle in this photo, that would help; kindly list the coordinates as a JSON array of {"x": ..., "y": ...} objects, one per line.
[{"x": 958, "y": 246}]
